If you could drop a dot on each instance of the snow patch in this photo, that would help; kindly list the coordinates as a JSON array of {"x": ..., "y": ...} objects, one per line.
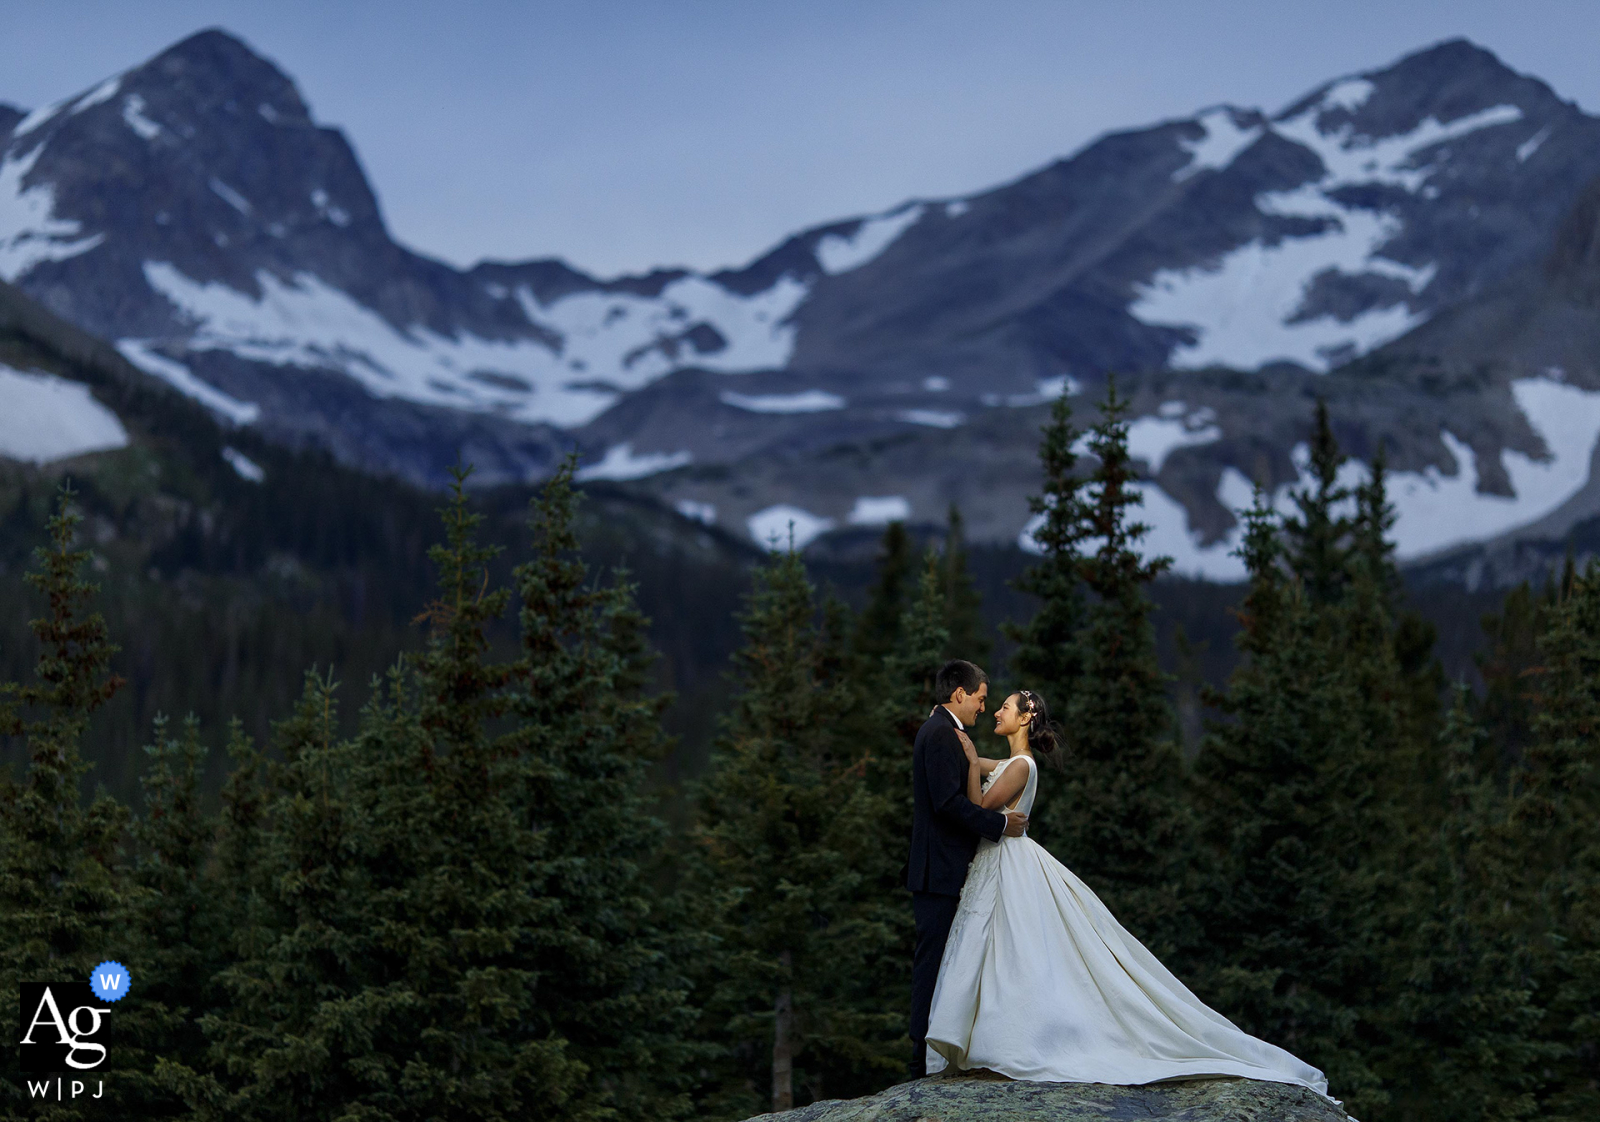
[
  {"x": 933, "y": 418},
  {"x": 839, "y": 253},
  {"x": 133, "y": 116},
  {"x": 620, "y": 463},
  {"x": 1222, "y": 142},
  {"x": 1048, "y": 390},
  {"x": 703, "y": 513},
  {"x": 330, "y": 210},
  {"x": 610, "y": 342},
  {"x": 247, "y": 468},
  {"x": 180, "y": 378},
  {"x": 1153, "y": 439},
  {"x": 29, "y": 231},
  {"x": 1436, "y": 512},
  {"x": 877, "y": 511},
  {"x": 1350, "y": 94},
  {"x": 956, "y": 208},
  {"x": 105, "y": 91},
  {"x": 38, "y": 117},
  {"x": 1532, "y": 144},
  {"x": 49, "y": 418},
  {"x": 613, "y": 336},
  {"x": 936, "y": 384},
  {"x": 807, "y": 401},
  {"x": 1398, "y": 160},
  {"x": 775, "y": 527},
  {"x": 1248, "y": 307},
  {"x": 228, "y": 195}
]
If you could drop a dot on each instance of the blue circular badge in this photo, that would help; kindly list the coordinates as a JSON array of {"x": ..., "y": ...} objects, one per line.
[{"x": 109, "y": 981}]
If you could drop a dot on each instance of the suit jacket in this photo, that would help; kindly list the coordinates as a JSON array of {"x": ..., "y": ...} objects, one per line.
[{"x": 945, "y": 824}]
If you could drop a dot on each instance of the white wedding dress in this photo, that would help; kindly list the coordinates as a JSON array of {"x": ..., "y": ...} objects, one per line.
[{"x": 1039, "y": 981}]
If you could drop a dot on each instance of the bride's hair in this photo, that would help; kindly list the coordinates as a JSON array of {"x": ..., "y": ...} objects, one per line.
[{"x": 1043, "y": 737}]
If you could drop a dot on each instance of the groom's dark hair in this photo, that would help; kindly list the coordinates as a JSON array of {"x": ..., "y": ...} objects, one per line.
[{"x": 956, "y": 674}]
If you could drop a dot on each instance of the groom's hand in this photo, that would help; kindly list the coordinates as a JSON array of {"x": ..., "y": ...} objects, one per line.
[{"x": 1016, "y": 823}]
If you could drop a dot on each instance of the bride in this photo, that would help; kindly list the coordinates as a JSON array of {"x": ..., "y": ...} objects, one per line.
[{"x": 1039, "y": 981}]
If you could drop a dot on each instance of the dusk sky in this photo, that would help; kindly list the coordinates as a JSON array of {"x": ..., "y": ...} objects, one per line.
[{"x": 624, "y": 135}]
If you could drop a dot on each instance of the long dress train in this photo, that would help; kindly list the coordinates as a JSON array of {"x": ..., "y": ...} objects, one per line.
[{"x": 1039, "y": 981}]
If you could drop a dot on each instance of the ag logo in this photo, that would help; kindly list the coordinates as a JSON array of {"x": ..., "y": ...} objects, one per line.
[{"x": 61, "y": 1027}]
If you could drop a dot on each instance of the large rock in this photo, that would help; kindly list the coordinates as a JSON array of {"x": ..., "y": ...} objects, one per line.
[{"x": 982, "y": 1097}]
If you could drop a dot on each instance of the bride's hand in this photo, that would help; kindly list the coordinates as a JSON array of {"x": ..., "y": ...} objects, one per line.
[{"x": 967, "y": 747}]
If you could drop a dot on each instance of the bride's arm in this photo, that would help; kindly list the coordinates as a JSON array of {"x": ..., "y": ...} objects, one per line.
[{"x": 1003, "y": 789}]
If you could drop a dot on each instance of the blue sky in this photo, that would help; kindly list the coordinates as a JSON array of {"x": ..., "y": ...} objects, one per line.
[{"x": 623, "y": 134}]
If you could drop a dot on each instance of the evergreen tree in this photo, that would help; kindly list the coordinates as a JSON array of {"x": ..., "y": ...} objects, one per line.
[
  {"x": 896, "y": 696},
  {"x": 790, "y": 855},
  {"x": 1288, "y": 916},
  {"x": 878, "y": 628},
  {"x": 63, "y": 898},
  {"x": 1464, "y": 1040},
  {"x": 1047, "y": 653},
  {"x": 1508, "y": 668},
  {"x": 1404, "y": 677},
  {"x": 1121, "y": 823},
  {"x": 184, "y": 939},
  {"x": 590, "y": 730},
  {"x": 963, "y": 605},
  {"x": 1319, "y": 533},
  {"x": 1557, "y": 811}
]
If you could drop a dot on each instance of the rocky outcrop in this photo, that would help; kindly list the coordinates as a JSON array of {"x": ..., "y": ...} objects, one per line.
[{"x": 981, "y": 1097}]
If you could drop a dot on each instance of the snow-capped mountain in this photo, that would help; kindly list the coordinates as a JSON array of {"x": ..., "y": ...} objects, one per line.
[{"x": 1231, "y": 266}]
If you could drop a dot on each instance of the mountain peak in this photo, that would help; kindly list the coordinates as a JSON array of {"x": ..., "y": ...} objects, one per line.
[
  {"x": 213, "y": 69},
  {"x": 1445, "y": 81}
]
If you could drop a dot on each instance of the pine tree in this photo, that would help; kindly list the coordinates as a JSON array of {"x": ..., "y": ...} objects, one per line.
[
  {"x": 878, "y": 628},
  {"x": 589, "y": 731},
  {"x": 1506, "y": 706},
  {"x": 1121, "y": 824},
  {"x": 183, "y": 931},
  {"x": 896, "y": 696},
  {"x": 1557, "y": 808},
  {"x": 789, "y": 857},
  {"x": 1319, "y": 533},
  {"x": 63, "y": 898},
  {"x": 1288, "y": 916},
  {"x": 1464, "y": 1039},
  {"x": 963, "y": 605},
  {"x": 1403, "y": 674},
  {"x": 1047, "y": 653}
]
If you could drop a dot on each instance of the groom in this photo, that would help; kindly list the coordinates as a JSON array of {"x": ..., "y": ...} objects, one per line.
[{"x": 945, "y": 828}]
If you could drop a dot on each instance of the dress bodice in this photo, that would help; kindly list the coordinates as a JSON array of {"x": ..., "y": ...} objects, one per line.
[{"x": 1025, "y": 803}]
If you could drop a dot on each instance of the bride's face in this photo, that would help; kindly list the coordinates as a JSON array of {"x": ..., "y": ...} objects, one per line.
[{"x": 1009, "y": 717}]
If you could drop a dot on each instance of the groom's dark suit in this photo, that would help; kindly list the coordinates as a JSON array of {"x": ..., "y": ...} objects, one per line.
[{"x": 945, "y": 828}]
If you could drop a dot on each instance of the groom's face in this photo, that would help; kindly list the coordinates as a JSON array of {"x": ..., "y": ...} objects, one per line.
[{"x": 966, "y": 705}]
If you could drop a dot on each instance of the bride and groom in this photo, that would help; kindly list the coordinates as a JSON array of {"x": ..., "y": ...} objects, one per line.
[{"x": 1019, "y": 968}]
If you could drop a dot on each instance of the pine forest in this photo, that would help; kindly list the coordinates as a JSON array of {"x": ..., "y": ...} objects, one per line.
[{"x": 470, "y": 882}]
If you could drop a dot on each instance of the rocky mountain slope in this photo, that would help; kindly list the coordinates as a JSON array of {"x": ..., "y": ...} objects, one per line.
[
  {"x": 1230, "y": 267},
  {"x": 981, "y": 1097}
]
